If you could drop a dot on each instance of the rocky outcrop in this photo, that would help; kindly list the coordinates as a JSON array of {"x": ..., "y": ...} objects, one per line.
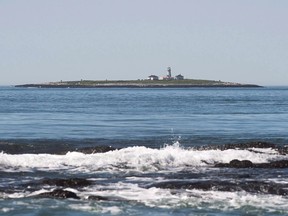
[
  {"x": 248, "y": 145},
  {"x": 72, "y": 183},
  {"x": 236, "y": 164},
  {"x": 248, "y": 186},
  {"x": 248, "y": 164},
  {"x": 98, "y": 198}
]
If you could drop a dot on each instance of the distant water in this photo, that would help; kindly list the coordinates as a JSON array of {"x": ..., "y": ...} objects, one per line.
[{"x": 162, "y": 141}]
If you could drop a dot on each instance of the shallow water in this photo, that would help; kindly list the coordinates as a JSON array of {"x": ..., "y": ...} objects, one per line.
[{"x": 165, "y": 144}]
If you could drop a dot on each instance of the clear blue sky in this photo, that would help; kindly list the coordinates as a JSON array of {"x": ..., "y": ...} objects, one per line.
[{"x": 231, "y": 40}]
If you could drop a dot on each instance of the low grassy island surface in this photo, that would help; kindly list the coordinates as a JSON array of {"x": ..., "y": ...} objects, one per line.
[{"x": 186, "y": 83}]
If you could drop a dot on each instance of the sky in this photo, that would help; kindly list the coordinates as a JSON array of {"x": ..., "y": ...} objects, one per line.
[{"x": 243, "y": 41}]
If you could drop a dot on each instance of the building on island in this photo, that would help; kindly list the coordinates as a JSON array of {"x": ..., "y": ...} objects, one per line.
[
  {"x": 179, "y": 77},
  {"x": 167, "y": 77},
  {"x": 153, "y": 77}
]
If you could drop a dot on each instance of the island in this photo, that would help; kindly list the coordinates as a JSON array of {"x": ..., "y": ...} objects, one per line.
[
  {"x": 153, "y": 81},
  {"x": 172, "y": 83}
]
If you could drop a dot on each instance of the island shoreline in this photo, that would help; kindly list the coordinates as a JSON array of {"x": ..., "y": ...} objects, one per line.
[
  {"x": 137, "y": 86},
  {"x": 187, "y": 83}
]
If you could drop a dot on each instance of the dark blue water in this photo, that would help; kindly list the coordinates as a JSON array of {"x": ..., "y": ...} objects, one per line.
[
  {"x": 155, "y": 131},
  {"x": 139, "y": 113}
]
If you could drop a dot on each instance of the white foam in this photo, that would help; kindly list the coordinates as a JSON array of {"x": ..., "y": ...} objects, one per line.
[
  {"x": 165, "y": 198},
  {"x": 135, "y": 158},
  {"x": 112, "y": 210},
  {"x": 169, "y": 199},
  {"x": 5, "y": 210}
]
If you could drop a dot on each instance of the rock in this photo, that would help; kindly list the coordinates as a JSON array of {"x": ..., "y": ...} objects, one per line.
[
  {"x": 237, "y": 164},
  {"x": 279, "y": 164},
  {"x": 249, "y": 145},
  {"x": 98, "y": 198},
  {"x": 274, "y": 164},
  {"x": 200, "y": 185},
  {"x": 264, "y": 187},
  {"x": 248, "y": 186},
  {"x": 73, "y": 182},
  {"x": 60, "y": 194},
  {"x": 248, "y": 164},
  {"x": 241, "y": 164}
]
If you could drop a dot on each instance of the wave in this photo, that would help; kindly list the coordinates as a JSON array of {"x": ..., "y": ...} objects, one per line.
[
  {"x": 172, "y": 177},
  {"x": 138, "y": 158}
]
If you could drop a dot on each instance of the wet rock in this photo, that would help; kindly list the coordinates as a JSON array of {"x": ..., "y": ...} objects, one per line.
[
  {"x": 248, "y": 186},
  {"x": 274, "y": 164},
  {"x": 98, "y": 198},
  {"x": 249, "y": 145},
  {"x": 241, "y": 164},
  {"x": 263, "y": 187},
  {"x": 237, "y": 164},
  {"x": 73, "y": 182},
  {"x": 248, "y": 164},
  {"x": 279, "y": 164},
  {"x": 109, "y": 198},
  {"x": 200, "y": 185},
  {"x": 283, "y": 150},
  {"x": 59, "y": 194}
]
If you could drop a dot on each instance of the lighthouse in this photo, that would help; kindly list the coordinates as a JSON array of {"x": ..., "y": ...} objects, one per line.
[{"x": 169, "y": 76}]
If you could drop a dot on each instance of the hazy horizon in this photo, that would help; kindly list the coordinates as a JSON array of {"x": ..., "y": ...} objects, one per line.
[{"x": 235, "y": 41}]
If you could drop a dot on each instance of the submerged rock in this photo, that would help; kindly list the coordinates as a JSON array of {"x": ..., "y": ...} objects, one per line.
[
  {"x": 59, "y": 194},
  {"x": 248, "y": 164},
  {"x": 248, "y": 186},
  {"x": 236, "y": 164},
  {"x": 249, "y": 145},
  {"x": 201, "y": 185},
  {"x": 73, "y": 182},
  {"x": 275, "y": 164},
  {"x": 98, "y": 198}
]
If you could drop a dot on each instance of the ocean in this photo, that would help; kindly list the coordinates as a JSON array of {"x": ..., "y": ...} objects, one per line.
[{"x": 142, "y": 151}]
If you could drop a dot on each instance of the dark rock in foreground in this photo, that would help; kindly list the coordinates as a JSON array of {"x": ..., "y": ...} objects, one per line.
[
  {"x": 98, "y": 198},
  {"x": 236, "y": 164},
  {"x": 59, "y": 194},
  {"x": 248, "y": 186},
  {"x": 248, "y": 164},
  {"x": 73, "y": 182}
]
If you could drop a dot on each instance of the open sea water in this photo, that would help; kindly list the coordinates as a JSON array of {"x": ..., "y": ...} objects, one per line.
[{"x": 141, "y": 151}]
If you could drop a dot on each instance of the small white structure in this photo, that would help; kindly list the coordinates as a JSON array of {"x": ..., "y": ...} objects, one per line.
[
  {"x": 153, "y": 77},
  {"x": 179, "y": 77}
]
